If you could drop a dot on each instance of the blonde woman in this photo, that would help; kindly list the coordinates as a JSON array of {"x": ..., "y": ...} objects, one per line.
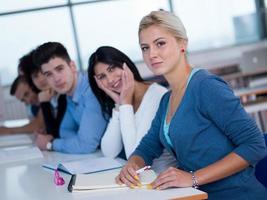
[{"x": 216, "y": 142}]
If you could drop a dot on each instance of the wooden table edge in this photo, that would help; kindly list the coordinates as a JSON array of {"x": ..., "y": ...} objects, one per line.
[{"x": 193, "y": 197}]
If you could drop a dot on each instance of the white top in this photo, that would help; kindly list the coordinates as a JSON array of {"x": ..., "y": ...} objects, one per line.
[{"x": 127, "y": 128}]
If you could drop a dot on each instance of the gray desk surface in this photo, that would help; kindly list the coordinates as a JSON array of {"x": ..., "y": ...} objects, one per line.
[{"x": 27, "y": 180}]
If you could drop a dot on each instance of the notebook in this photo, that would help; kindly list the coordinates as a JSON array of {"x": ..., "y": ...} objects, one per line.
[
  {"x": 105, "y": 181},
  {"x": 85, "y": 165}
]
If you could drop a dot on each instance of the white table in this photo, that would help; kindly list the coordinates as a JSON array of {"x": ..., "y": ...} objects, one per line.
[
  {"x": 14, "y": 123},
  {"x": 27, "y": 180}
]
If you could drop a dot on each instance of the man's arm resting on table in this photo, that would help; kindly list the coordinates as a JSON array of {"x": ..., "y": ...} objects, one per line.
[{"x": 35, "y": 124}]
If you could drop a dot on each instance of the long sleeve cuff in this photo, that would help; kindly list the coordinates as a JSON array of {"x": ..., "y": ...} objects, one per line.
[
  {"x": 115, "y": 114},
  {"x": 125, "y": 111}
]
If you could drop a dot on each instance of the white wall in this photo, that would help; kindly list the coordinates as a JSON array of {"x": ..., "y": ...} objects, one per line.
[{"x": 13, "y": 108}]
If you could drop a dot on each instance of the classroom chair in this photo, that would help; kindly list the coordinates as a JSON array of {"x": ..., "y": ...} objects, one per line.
[{"x": 261, "y": 168}]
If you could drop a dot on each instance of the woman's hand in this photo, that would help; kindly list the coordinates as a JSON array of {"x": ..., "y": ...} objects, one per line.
[
  {"x": 172, "y": 177},
  {"x": 128, "y": 175},
  {"x": 110, "y": 93},
  {"x": 127, "y": 92},
  {"x": 46, "y": 95}
]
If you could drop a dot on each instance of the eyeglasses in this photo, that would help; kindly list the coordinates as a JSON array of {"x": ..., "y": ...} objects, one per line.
[{"x": 58, "y": 180}]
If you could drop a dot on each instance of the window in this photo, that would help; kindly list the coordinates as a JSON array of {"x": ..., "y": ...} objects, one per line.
[
  {"x": 209, "y": 23},
  {"x": 20, "y": 34},
  {"x": 82, "y": 1},
  {"x": 13, "y": 5},
  {"x": 98, "y": 24},
  {"x": 217, "y": 23}
]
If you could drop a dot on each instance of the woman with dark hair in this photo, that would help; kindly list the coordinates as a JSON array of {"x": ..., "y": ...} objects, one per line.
[{"x": 127, "y": 99}]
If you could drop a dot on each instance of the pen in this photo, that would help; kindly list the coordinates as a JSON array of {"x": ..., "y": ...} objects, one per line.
[{"x": 142, "y": 169}]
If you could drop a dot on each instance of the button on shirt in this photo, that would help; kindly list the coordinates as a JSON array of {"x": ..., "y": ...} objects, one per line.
[{"x": 83, "y": 124}]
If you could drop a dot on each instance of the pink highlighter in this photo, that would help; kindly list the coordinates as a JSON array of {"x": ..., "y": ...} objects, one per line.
[{"x": 58, "y": 179}]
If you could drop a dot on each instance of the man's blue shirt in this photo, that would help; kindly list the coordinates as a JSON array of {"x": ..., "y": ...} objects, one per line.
[{"x": 83, "y": 125}]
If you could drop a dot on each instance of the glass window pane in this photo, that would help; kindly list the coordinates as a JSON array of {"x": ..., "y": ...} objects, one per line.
[
  {"x": 78, "y": 1},
  {"x": 21, "y": 33},
  {"x": 213, "y": 23},
  {"x": 13, "y": 5},
  {"x": 98, "y": 24}
]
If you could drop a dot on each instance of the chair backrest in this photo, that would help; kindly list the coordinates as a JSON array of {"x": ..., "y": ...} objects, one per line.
[
  {"x": 261, "y": 168},
  {"x": 265, "y": 138}
]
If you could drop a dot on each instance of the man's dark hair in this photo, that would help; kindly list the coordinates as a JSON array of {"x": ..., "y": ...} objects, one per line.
[
  {"x": 48, "y": 51},
  {"x": 16, "y": 82},
  {"x": 26, "y": 64},
  {"x": 27, "y": 67}
]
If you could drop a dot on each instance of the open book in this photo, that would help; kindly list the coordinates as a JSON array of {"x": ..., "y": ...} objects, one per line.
[
  {"x": 85, "y": 165},
  {"x": 104, "y": 181}
]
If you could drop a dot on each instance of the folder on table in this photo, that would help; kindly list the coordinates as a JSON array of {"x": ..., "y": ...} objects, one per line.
[
  {"x": 84, "y": 165},
  {"x": 104, "y": 181}
]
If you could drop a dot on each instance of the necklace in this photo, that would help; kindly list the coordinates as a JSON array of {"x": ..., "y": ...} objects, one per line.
[{"x": 175, "y": 99}]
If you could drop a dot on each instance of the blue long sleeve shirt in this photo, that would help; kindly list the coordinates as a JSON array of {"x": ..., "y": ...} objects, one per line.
[
  {"x": 209, "y": 123},
  {"x": 83, "y": 125}
]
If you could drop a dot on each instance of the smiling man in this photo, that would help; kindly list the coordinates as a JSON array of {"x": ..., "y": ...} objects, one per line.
[
  {"x": 21, "y": 89},
  {"x": 83, "y": 124}
]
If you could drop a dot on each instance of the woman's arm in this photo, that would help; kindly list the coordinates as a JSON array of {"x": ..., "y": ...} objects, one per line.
[
  {"x": 219, "y": 104},
  {"x": 229, "y": 165},
  {"x": 117, "y": 122},
  {"x": 35, "y": 124},
  {"x": 53, "y": 116},
  {"x": 49, "y": 118},
  {"x": 45, "y": 98},
  {"x": 135, "y": 126},
  {"x": 149, "y": 148},
  {"x": 111, "y": 142},
  {"x": 173, "y": 177},
  {"x": 128, "y": 129}
]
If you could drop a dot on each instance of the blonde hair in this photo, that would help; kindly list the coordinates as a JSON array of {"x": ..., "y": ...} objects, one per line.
[{"x": 166, "y": 20}]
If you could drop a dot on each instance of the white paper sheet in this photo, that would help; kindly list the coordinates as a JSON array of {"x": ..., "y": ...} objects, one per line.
[
  {"x": 15, "y": 140},
  {"x": 13, "y": 154}
]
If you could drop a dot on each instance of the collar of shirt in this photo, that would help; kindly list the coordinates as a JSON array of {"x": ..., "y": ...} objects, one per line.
[
  {"x": 82, "y": 85},
  {"x": 54, "y": 100}
]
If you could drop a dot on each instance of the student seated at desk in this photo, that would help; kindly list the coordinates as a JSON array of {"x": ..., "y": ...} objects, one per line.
[
  {"x": 127, "y": 99},
  {"x": 23, "y": 92},
  {"x": 83, "y": 124},
  {"x": 216, "y": 143},
  {"x": 53, "y": 105}
]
